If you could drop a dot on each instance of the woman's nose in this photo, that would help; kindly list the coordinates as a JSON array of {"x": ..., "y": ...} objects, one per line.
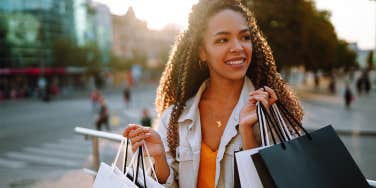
[{"x": 236, "y": 46}]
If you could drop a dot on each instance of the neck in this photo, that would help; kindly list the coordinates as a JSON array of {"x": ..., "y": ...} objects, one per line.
[{"x": 224, "y": 91}]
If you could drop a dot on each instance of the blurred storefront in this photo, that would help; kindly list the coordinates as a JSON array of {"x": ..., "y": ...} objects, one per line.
[{"x": 28, "y": 31}]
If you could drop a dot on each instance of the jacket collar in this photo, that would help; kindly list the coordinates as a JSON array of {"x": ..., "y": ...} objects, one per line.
[{"x": 190, "y": 111}]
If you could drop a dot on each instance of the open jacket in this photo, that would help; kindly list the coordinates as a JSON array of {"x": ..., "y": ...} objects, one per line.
[{"x": 184, "y": 166}]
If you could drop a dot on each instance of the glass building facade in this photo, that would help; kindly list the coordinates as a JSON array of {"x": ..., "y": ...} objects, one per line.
[{"x": 29, "y": 28}]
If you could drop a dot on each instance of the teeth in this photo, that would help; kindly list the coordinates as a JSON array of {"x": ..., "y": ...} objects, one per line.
[{"x": 235, "y": 62}]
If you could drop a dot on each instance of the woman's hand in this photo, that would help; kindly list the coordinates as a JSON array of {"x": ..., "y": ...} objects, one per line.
[
  {"x": 138, "y": 134},
  {"x": 248, "y": 115}
]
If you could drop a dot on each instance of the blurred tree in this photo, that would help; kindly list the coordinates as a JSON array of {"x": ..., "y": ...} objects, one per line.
[
  {"x": 68, "y": 53},
  {"x": 297, "y": 32},
  {"x": 119, "y": 63},
  {"x": 320, "y": 42},
  {"x": 346, "y": 58},
  {"x": 370, "y": 60}
]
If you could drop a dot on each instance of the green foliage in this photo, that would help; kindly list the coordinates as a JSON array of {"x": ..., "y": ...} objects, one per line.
[
  {"x": 346, "y": 58},
  {"x": 67, "y": 53},
  {"x": 299, "y": 34},
  {"x": 120, "y": 64}
]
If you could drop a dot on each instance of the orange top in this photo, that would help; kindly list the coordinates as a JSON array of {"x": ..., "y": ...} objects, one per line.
[{"x": 206, "y": 172}]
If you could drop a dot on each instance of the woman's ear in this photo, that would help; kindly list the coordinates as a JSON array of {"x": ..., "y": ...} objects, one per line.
[{"x": 202, "y": 53}]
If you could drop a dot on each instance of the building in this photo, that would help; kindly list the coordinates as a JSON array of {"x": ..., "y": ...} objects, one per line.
[
  {"x": 29, "y": 30},
  {"x": 134, "y": 43},
  {"x": 131, "y": 37},
  {"x": 103, "y": 31}
]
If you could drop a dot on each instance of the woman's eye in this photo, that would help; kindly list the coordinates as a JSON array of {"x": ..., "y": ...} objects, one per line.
[
  {"x": 219, "y": 41},
  {"x": 247, "y": 37}
]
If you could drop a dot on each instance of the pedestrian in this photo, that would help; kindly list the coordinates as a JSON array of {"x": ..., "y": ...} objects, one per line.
[
  {"x": 217, "y": 71},
  {"x": 127, "y": 96},
  {"x": 95, "y": 97},
  {"x": 332, "y": 84},
  {"x": 145, "y": 120},
  {"x": 363, "y": 84},
  {"x": 103, "y": 116},
  {"x": 348, "y": 96}
]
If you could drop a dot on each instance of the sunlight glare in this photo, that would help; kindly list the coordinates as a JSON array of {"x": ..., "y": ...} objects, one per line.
[{"x": 160, "y": 13}]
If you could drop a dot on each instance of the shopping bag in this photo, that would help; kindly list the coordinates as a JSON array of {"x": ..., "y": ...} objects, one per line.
[
  {"x": 248, "y": 168},
  {"x": 317, "y": 159},
  {"x": 141, "y": 175},
  {"x": 111, "y": 176}
]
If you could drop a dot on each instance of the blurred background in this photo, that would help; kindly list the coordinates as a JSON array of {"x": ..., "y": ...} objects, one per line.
[{"x": 97, "y": 63}]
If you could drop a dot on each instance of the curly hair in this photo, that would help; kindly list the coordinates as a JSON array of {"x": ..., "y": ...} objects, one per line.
[{"x": 183, "y": 75}]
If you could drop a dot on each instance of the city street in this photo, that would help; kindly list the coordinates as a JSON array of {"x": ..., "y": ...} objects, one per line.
[
  {"x": 37, "y": 139},
  {"x": 38, "y": 143}
]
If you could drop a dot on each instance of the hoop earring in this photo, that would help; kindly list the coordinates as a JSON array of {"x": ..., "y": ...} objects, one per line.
[{"x": 201, "y": 64}]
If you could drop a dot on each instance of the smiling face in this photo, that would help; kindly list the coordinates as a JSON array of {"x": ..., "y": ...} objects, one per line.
[{"x": 226, "y": 45}]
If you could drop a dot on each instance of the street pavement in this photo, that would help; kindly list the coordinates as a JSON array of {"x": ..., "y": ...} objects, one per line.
[{"x": 38, "y": 147}]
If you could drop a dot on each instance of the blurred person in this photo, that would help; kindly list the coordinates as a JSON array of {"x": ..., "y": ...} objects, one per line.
[
  {"x": 95, "y": 97},
  {"x": 103, "y": 116},
  {"x": 206, "y": 100},
  {"x": 127, "y": 96},
  {"x": 145, "y": 120},
  {"x": 332, "y": 84},
  {"x": 317, "y": 80},
  {"x": 363, "y": 84},
  {"x": 348, "y": 96}
]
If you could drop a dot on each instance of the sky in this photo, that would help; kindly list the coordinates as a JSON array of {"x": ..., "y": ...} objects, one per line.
[{"x": 354, "y": 20}]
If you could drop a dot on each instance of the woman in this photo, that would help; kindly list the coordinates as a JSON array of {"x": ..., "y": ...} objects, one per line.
[{"x": 207, "y": 97}]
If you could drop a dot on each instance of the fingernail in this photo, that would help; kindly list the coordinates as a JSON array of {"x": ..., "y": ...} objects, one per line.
[{"x": 147, "y": 134}]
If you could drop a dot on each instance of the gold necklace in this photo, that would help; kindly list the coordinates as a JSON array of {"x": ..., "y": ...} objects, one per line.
[{"x": 219, "y": 124}]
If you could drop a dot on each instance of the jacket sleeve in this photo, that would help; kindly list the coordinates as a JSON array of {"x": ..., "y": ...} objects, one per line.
[{"x": 172, "y": 163}]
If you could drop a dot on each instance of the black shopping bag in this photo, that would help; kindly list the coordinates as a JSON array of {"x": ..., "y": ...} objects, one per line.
[{"x": 314, "y": 160}]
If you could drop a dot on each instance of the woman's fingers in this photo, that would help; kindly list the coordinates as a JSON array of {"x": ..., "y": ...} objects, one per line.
[
  {"x": 140, "y": 137},
  {"x": 273, "y": 96},
  {"x": 138, "y": 131},
  {"x": 260, "y": 98},
  {"x": 130, "y": 128},
  {"x": 136, "y": 145}
]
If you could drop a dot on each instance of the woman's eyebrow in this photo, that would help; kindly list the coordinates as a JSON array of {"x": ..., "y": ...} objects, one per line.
[
  {"x": 228, "y": 33},
  {"x": 245, "y": 30}
]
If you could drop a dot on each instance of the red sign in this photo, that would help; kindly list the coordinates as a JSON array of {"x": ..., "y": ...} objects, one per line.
[{"x": 32, "y": 71}]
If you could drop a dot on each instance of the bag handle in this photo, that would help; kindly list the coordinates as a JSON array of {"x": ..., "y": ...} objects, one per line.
[
  {"x": 262, "y": 126},
  {"x": 118, "y": 153},
  {"x": 289, "y": 117},
  {"x": 150, "y": 162},
  {"x": 139, "y": 159},
  {"x": 125, "y": 156},
  {"x": 270, "y": 122},
  {"x": 275, "y": 111}
]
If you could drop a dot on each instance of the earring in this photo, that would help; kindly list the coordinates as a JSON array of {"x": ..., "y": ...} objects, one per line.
[{"x": 201, "y": 64}]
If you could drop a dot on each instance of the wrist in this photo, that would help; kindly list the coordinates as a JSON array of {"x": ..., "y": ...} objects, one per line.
[{"x": 160, "y": 158}]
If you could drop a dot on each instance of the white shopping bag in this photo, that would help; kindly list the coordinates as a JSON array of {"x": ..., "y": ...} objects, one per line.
[
  {"x": 247, "y": 172},
  {"x": 150, "y": 182},
  {"x": 111, "y": 176}
]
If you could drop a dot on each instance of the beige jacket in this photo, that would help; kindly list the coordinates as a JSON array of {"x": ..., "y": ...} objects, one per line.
[{"x": 185, "y": 165}]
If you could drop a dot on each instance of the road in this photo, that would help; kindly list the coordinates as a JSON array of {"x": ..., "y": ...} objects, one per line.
[{"x": 37, "y": 141}]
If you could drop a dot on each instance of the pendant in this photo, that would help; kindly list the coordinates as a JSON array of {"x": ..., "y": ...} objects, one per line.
[{"x": 219, "y": 124}]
